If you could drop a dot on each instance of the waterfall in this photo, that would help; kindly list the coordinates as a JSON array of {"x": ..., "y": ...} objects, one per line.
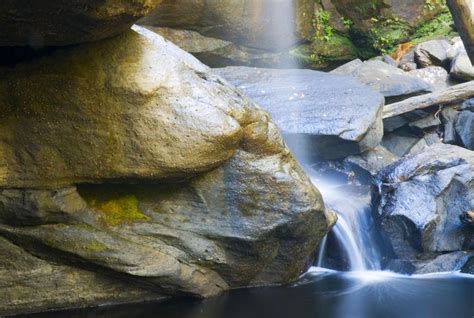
[{"x": 354, "y": 230}]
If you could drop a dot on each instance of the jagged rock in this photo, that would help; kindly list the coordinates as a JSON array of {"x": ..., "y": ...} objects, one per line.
[
  {"x": 422, "y": 197},
  {"x": 321, "y": 115},
  {"x": 219, "y": 53},
  {"x": 461, "y": 68},
  {"x": 42, "y": 23},
  {"x": 465, "y": 129},
  {"x": 88, "y": 185},
  {"x": 257, "y": 24},
  {"x": 450, "y": 262},
  {"x": 434, "y": 52},
  {"x": 390, "y": 81}
]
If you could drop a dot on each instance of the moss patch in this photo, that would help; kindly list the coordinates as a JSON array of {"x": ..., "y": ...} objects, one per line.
[
  {"x": 324, "y": 52},
  {"x": 115, "y": 207}
]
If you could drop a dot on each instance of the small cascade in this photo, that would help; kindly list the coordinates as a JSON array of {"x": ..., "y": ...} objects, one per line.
[{"x": 354, "y": 231}]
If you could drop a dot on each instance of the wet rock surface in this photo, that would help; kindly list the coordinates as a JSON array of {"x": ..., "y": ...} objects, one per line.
[
  {"x": 324, "y": 115},
  {"x": 423, "y": 196}
]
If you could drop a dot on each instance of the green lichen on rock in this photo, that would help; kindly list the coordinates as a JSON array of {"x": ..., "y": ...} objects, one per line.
[{"x": 114, "y": 206}]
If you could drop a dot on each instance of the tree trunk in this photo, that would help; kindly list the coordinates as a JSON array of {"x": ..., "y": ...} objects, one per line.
[{"x": 463, "y": 14}]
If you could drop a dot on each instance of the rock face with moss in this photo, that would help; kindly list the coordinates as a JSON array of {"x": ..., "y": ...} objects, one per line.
[
  {"x": 127, "y": 162},
  {"x": 42, "y": 23},
  {"x": 258, "y": 32}
]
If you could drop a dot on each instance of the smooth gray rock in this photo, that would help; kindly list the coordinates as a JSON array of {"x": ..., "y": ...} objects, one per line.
[
  {"x": 390, "y": 81},
  {"x": 449, "y": 262},
  {"x": 436, "y": 76},
  {"x": 465, "y": 129},
  {"x": 461, "y": 68},
  {"x": 321, "y": 115},
  {"x": 348, "y": 67},
  {"x": 434, "y": 52},
  {"x": 422, "y": 198}
]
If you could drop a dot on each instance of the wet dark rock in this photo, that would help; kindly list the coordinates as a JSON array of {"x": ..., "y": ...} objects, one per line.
[
  {"x": 390, "y": 81},
  {"x": 465, "y": 129},
  {"x": 434, "y": 52},
  {"x": 468, "y": 267},
  {"x": 449, "y": 116},
  {"x": 323, "y": 115},
  {"x": 422, "y": 198}
]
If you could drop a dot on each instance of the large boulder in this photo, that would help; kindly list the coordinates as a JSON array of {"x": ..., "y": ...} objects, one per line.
[
  {"x": 131, "y": 124},
  {"x": 423, "y": 196},
  {"x": 42, "y": 23},
  {"x": 265, "y": 24},
  {"x": 320, "y": 114},
  {"x": 390, "y": 81},
  {"x": 123, "y": 109}
]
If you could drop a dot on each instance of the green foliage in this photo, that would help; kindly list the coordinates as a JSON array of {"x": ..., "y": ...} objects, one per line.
[
  {"x": 436, "y": 27},
  {"x": 324, "y": 30}
]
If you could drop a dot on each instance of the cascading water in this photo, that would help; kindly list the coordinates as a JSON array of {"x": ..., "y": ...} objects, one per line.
[{"x": 355, "y": 229}]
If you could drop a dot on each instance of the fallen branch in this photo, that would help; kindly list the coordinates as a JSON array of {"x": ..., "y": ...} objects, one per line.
[{"x": 454, "y": 94}]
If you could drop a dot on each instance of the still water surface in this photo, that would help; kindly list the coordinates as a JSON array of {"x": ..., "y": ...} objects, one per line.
[{"x": 319, "y": 294}]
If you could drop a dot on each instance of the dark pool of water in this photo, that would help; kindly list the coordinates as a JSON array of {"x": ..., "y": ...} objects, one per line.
[{"x": 318, "y": 294}]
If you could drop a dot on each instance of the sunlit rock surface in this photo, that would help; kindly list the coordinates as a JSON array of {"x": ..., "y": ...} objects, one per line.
[
  {"x": 41, "y": 23},
  {"x": 321, "y": 115},
  {"x": 131, "y": 160},
  {"x": 263, "y": 24},
  {"x": 423, "y": 196}
]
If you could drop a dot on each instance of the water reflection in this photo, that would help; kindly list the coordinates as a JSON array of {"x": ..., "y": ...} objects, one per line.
[{"x": 320, "y": 293}]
